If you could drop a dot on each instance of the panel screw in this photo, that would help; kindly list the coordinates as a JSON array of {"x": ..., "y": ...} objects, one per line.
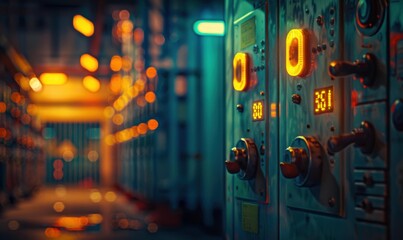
[
  {"x": 331, "y": 44},
  {"x": 296, "y": 98},
  {"x": 324, "y": 46},
  {"x": 331, "y": 11},
  {"x": 239, "y": 107},
  {"x": 307, "y": 10},
  {"x": 332, "y": 21},
  {"x": 261, "y": 93},
  {"x": 319, "y": 20}
]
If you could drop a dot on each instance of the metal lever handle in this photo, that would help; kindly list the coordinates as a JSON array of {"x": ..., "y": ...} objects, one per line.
[
  {"x": 232, "y": 167},
  {"x": 364, "y": 69},
  {"x": 363, "y": 137},
  {"x": 289, "y": 170}
]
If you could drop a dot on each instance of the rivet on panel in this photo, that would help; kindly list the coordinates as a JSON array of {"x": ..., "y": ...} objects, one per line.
[{"x": 239, "y": 107}]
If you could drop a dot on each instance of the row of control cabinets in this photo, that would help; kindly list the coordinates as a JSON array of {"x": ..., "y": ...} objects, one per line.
[
  {"x": 316, "y": 90},
  {"x": 21, "y": 146}
]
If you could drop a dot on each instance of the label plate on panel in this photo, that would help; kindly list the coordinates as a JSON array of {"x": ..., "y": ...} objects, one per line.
[
  {"x": 248, "y": 33},
  {"x": 250, "y": 217}
]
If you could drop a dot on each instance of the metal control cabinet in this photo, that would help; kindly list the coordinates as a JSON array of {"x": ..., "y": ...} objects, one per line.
[
  {"x": 333, "y": 121},
  {"x": 251, "y": 117}
]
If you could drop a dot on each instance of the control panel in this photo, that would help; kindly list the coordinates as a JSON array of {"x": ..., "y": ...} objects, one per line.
[
  {"x": 251, "y": 117},
  {"x": 332, "y": 114}
]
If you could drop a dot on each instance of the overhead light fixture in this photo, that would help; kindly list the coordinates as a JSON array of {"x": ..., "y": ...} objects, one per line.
[{"x": 209, "y": 28}]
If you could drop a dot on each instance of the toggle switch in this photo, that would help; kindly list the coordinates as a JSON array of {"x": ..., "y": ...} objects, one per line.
[
  {"x": 243, "y": 159},
  {"x": 363, "y": 138},
  {"x": 364, "y": 69},
  {"x": 303, "y": 161}
]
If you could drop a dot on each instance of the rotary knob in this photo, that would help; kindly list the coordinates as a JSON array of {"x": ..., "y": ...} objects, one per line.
[
  {"x": 369, "y": 16},
  {"x": 303, "y": 161},
  {"x": 243, "y": 159}
]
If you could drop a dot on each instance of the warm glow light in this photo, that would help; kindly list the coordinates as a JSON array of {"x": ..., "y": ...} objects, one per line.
[
  {"x": 116, "y": 63},
  {"x": 3, "y": 107},
  {"x": 53, "y": 78},
  {"x": 32, "y": 109},
  {"x": 95, "y": 218},
  {"x": 13, "y": 225},
  {"x": 58, "y": 207},
  {"x": 151, "y": 72},
  {"x": 152, "y": 124},
  {"x": 240, "y": 79},
  {"x": 118, "y": 119},
  {"x": 95, "y": 196},
  {"x": 89, "y": 62},
  {"x": 152, "y": 227},
  {"x": 68, "y": 155},
  {"x": 72, "y": 223},
  {"x": 83, "y": 25},
  {"x": 138, "y": 35},
  {"x": 142, "y": 128},
  {"x": 61, "y": 191},
  {"x": 35, "y": 84},
  {"x": 139, "y": 84},
  {"x": 109, "y": 111},
  {"x": 133, "y": 92},
  {"x": 110, "y": 196},
  {"x": 91, "y": 84},
  {"x": 273, "y": 110},
  {"x": 207, "y": 27},
  {"x": 116, "y": 83},
  {"x": 110, "y": 140},
  {"x": 16, "y": 97},
  {"x": 296, "y": 53},
  {"x": 135, "y": 133},
  {"x": 124, "y": 14},
  {"x": 52, "y": 232},
  {"x": 22, "y": 81},
  {"x": 92, "y": 156},
  {"x": 126, "y": 63},
  {"x": 150, "y": 97},
  {"x": 141, "y": 102}
]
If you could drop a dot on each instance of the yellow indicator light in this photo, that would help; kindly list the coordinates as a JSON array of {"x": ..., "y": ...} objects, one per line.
[
  {"x": 240, "y": 80},
  {"x": 83, "y": 25},
  {"x": 323, "y": 100},
  {"x": 35, "y": 84},
  {"x": 91, "y": 84},
  {"x": 89, "y": 62},
  {"x": 53, "y": 78},
  {"x": 209, "y": 28},
  {"x": 296, "y": 53},
  {"x": 258, "y": 110}
]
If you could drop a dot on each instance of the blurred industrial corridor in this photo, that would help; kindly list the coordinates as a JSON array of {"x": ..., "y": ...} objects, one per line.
[{"x": 201, "y": 119}]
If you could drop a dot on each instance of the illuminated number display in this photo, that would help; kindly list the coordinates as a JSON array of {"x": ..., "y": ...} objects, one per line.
[
  {"x": 258, "y": 110},
  {"x": 323, "y": 100}
]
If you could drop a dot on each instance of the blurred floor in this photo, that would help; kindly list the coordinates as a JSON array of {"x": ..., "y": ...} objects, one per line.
[{"x": 82, "y": 213}]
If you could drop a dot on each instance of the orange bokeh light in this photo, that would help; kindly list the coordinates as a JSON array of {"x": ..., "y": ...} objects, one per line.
[
  {"x": 151, "y": 72},
  {"x": 116, "y": 63},
  {"x": 152, "y": 124},
  {"x": 150, "y": 97}
]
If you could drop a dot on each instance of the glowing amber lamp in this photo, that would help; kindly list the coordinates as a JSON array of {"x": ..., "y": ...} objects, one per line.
[
  {"x": 116, "y": 63},
  {"x": 83, "y": 25},
  {"x": 89, "y": 62},
  {"x": 240, "y": 80},
  {"x": 91, "y": 84},
  {"x": 53, "y": 78},
  {"x": 296, "y": 53}
]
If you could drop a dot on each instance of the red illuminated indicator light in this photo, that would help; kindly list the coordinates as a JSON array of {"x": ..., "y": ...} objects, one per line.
[
  {"x": 296, "y": 53},
  {"x": 323, "y": 100},
  {"x": 240, "y": 80},
  {"x": 258, "y": 110}
]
